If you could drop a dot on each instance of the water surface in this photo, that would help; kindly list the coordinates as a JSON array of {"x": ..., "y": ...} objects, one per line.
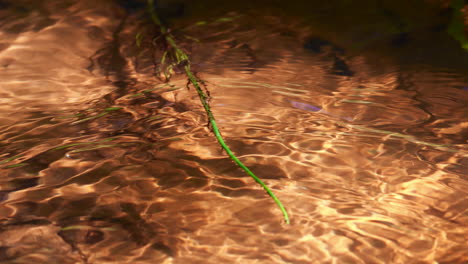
[{"x": 359, "y": 128}]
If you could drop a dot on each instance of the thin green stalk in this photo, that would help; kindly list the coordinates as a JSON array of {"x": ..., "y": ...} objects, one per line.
[{"x": 182, "y": 57}]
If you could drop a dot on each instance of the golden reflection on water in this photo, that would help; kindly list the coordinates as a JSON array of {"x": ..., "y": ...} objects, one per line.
[{"x": 108, "y": 165}]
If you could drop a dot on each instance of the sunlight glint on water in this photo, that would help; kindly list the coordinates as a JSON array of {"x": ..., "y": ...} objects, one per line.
[{"x": 100, "y": 162}]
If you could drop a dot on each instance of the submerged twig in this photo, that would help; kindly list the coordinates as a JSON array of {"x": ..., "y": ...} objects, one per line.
[{"x": 183, "y": 59}]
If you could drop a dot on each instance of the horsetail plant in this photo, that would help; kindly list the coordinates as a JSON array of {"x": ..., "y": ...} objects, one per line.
[{"x": 182, "y": 58}]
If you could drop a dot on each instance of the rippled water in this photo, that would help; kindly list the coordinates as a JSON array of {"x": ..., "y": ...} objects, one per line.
[{"x": 360, "y": 130}]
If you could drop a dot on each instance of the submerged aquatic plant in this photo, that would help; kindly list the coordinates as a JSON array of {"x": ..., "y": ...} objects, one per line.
[{"x": 182, "y": 60}]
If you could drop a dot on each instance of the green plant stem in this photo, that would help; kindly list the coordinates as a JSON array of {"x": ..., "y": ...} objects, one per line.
[{"x": 182, "y": 57}]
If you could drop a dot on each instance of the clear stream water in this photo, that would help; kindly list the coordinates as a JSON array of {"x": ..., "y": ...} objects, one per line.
[{"x": 355, "y": 115}]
